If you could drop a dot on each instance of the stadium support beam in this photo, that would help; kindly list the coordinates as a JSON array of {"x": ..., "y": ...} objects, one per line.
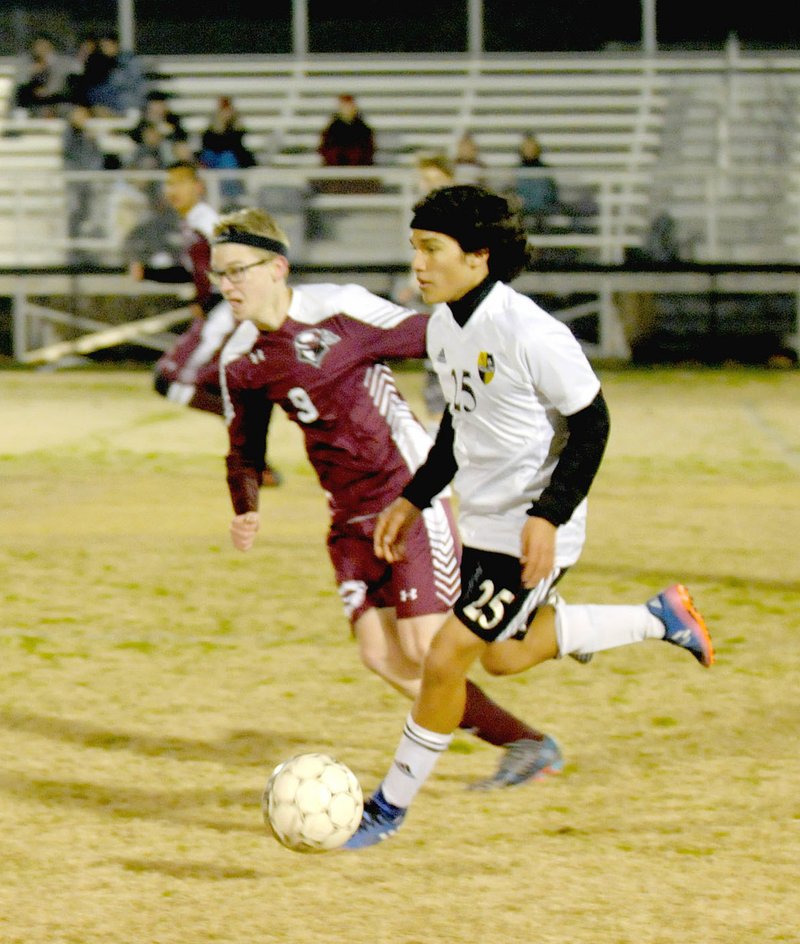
[
  {"x": 649, "y": 32},
  {"x": 475, "y": 28},
  {"x": 300, "y": 28},
  {"x": 126, "y": 24}
]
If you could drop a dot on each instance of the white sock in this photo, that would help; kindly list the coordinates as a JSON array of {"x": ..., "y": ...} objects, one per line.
[
  {"x": 592, "y": 628},
  {"x": 414, "y": 760}
]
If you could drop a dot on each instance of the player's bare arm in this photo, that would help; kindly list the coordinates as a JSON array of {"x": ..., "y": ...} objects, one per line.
[
  {"x": 538, "y": 551},
  {"x": 392, "y": 527},
  {"x": 244, "y": 529}
]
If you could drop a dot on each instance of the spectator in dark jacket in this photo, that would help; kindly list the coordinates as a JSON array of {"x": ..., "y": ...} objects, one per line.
[
  {"x": 347, "y": 139},
  {"x": 222, "y": 147},
  {"x": 43, "y": 79},
  {"x": 159, "y": 136},
  {"x": 113, "y": 79},
  {"x": 222, "y": 143}
]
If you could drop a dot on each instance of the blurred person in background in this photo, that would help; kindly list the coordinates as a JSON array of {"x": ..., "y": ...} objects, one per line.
[
  {"x": 469, "y": 167},
  {"x": 347, "y": 140},
  {"x": 113, "y": 79},
  {"x": 188, "y": 373},
  {"x": 530, "y": 151},
  {"x": 432, "y": 171},
  {"x": 43, "y": 79},
  {"x": 160, "y": 130},
  {"x": 222, "y": 147},
  {"x": 81, "y": 152},
  {"x": 537, "y": 194}
]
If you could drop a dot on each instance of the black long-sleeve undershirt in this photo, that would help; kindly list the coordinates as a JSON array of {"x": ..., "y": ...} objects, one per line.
[
  {"x": 438, "y": 470},
  {"x": 577, "y": 465},
  {"x": 571, "y": 479}
]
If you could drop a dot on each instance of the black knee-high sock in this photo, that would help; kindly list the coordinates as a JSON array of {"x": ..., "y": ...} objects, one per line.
[{"x": 491, "y": 723}]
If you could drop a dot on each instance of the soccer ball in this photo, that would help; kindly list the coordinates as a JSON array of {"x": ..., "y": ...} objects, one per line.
[{"x": 312, "y": 803}]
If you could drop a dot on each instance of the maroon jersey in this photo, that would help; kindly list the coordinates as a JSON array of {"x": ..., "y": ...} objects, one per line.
[
  {"x": 197, "y": 229},
  {"x": 324, "y": 367}
]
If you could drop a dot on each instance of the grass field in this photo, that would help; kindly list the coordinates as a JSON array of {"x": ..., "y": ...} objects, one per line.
[{"x": 151, "y": 677}]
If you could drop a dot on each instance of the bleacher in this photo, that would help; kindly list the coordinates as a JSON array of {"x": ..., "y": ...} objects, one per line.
[
  {"x": 595, "y": 109},
  {"x": 709, "y": 138},
  {"x": 31, "y": 207}
]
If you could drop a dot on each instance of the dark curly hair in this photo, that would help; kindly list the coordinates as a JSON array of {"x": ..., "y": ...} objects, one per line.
[{"x": 477, "y": 219}]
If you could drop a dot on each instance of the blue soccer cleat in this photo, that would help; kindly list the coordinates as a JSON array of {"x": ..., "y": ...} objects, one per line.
[
  {"x": 524, "y": 760},
  {"x": 379, "y": 820},
  {"x": 685, "y": 627}
]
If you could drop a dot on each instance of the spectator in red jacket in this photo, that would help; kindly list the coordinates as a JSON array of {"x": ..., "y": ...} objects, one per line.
[{"x": 347, "y": 141}]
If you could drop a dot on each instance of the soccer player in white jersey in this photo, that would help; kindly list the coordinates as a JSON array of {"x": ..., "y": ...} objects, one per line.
[{"x": 522, "y": 439}]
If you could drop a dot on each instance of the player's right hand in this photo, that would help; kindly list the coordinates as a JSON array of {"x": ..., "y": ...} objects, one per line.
[
  {"x": 136, "y": 271},
  {"x": 391, "y": 529},
  {"x": 244, "y": 529}
]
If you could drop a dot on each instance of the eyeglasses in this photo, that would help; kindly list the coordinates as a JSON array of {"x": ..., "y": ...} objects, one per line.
[{"x": 235, "y": 275}]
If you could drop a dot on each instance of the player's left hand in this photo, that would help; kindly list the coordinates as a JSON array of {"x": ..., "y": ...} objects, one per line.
[{"x": 538, "y": 551}]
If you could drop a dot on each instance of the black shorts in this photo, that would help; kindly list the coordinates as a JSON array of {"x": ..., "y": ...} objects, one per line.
[{"x": 493, "y": 603}]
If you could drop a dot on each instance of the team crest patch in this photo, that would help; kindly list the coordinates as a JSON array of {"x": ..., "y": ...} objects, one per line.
[
  {"x": 486, "y": 366},
  {"x": 312, "y": 346}
]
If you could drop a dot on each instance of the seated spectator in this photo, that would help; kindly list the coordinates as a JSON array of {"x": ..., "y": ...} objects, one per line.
[
  {"x": 347, "y": 140},
  {"x": 152, "y": 152},
  {"x": 43, "y": 80},
  {"x": 530, "y": 151},
  {"x": 433, "y": 171},
  {"x": 222, "y": 147},
  {"x": 114, "y": 82},
  {"x": 159, "y": 136},
  {"x": 661, "y": 242},
  {"x": 537, "y": 194},
  {"x": 222, "y": 143},
  {"x": 79, "y": 81},
  {"x": 468, "y": 164}
]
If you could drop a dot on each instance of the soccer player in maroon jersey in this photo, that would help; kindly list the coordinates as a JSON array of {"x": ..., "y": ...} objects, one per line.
[
  {"x": 319, "y": 352},
  {"x": 188, "y": 373}
]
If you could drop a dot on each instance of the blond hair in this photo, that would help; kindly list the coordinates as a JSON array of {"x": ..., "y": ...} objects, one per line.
[{"x": 253, "y": 222}]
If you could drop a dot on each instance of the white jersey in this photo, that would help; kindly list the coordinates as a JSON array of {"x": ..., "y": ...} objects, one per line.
[
  {"x": 510, "y": 376},
  {"x": 202, "y": 218}
]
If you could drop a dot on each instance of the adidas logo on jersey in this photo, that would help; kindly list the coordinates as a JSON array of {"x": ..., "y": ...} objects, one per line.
[{"x": 441, "y": 358}]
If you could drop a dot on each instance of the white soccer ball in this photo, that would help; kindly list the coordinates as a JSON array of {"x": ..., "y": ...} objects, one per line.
[{"x": 312, "y": 803}]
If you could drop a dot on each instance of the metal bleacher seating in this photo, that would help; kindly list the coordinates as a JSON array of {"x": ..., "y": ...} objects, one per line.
[
  {"x": 710, "y": 138},
  {"x": 606, "y": 108}
]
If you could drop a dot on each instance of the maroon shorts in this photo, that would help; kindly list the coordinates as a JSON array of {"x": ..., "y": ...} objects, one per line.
[
  {"x": 171, "y": 364},
  {"x": 427, "y": 581}
]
